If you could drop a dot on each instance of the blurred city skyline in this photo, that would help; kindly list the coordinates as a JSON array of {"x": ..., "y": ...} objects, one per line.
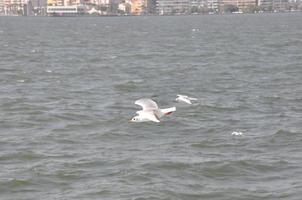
[{"x": 144, "y": 7}]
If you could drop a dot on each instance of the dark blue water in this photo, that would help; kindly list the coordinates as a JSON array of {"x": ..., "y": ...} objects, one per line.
[{"x": 67, "y": 91}]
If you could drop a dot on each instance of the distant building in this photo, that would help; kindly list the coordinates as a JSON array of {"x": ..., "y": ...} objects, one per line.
[
  {"x": 198, "y": 3},
  {"x": 1, "y": 7},
  {"x": 274, "y": 5},
  {"x": 64, "y": 2},
  {"x": 151, "y": 6},
  {"x": 213, "y": 5},
  {"x": 198, "y": 6},
  {"x": 205, "y": 6},
  {"x": 97, "y": 2},
  {"x": 175, "y": 7},
  {"x": 39, "y": 3},
  {"x": 170, "y": 7},
  {"x": 138, "y": 7},
  {"x": 242, "y": 5},
  {"x": 13, "y": 7},
  {"x": 55, "y": 2},
  {"x": 73, "y": 10},
  {"x": 125, "y": 7},
  {"x": 134, "y": 7}
]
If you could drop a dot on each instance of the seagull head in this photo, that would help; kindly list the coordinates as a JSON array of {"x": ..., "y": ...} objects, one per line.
[
  {"x": 136, "y": 119},
  {"x": 178, "y": 99}
]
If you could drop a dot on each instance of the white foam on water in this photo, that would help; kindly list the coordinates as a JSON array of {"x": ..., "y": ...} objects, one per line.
[{"x": 237, "y": 133}]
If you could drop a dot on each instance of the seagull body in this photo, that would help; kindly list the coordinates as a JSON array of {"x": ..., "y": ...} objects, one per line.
[
  {"x": 185, "y": 99},
  {"x": 150, "y": 111}
]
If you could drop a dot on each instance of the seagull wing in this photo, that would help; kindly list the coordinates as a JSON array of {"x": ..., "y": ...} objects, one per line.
[
  {"x": 147, "y": 104},
  {"x": 148, "y": 115},
  {"x": 151, "y": 116},
  {"x": 186, "y": 100},
  {"x": 193, "y": 99},
  {"x": 181, "y": 96}
]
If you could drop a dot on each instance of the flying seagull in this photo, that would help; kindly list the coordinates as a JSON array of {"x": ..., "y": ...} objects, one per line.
[
  {"x": 185, "y": 99},
  {"x": 150, "y": 111}
]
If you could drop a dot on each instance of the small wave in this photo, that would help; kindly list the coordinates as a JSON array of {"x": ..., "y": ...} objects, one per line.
[
  {"x": 171, "y": 165},
  {"x": 126, "y": 87},
  {"x": 283, "y": 137},
  {"x": 15, "y": 183},
  {"x": 24, "y": 156},
  {"x": 68, "y": 175},
  {"x": 238, "y": 168},
  {"x": 103, "y": 192},
  {"x": 138, "y": 178},
  {"x": 219, "y": 108},
  {"x": 218, "y": 143},
  {"x": 145, "y": 196},
  {"x": 179, "y": 194},
  {"x": 287, "y": 133},
  {"x": 205, "y": 144},
  {"x": 7, "y": 70}
]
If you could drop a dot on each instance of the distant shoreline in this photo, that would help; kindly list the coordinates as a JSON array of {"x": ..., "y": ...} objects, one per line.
[{"x": 157, "y": 15}]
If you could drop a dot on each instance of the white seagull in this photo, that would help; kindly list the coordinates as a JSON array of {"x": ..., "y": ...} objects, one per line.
[
  {"x": 184, "y": 98},
  {"x": 150, "y": 111}
]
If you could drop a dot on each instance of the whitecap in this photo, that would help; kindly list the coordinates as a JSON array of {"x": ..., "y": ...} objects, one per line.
[{"x": 237, "y": 133}]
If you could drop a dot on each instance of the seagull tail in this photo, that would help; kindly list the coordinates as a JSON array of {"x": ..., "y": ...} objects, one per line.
[{"x": 168, "y": 111}]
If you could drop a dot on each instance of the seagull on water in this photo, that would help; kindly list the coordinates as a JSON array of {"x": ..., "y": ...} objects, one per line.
[
  {"x": 185, "y": 99},
  {"x": 150, "y": 111}
]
